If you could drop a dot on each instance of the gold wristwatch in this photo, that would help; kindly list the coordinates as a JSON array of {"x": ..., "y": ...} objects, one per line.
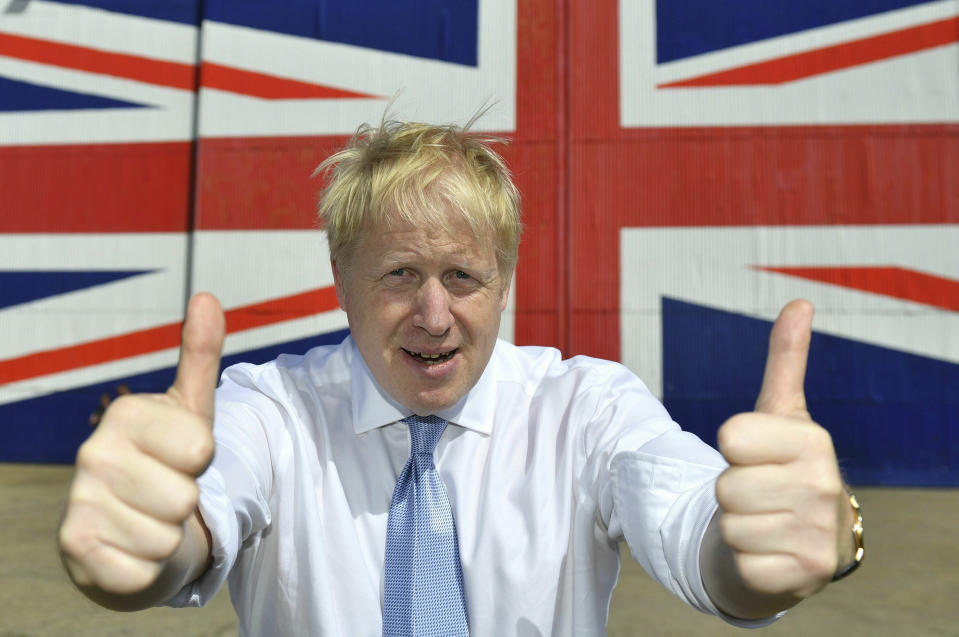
[{"x": 857, "y": 540}]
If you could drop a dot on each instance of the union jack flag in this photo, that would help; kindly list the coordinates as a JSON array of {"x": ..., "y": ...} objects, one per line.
[
  {"x": 148, "y": 150},
  {"x": 686, "y": 169},
  {"x": 823, "y": 133}
]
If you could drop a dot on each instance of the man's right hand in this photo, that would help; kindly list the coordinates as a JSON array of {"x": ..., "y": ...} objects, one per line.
[{"x": 131, "y": 527}]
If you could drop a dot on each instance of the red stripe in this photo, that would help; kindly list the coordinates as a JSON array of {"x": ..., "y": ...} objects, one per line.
[
  {"x": 162, "y": 337},
  {"x": 893, "y": 281},
  {"x": 81, "y": 58},
  {"x": 164, "y": 73},
  {"x": 95, "y": 187},
  {"x": 786, "y": 175},
  {"x": 832, "y": 58},
  {"x": 243, "y": 177},
  {"x": 269, "y": 87}
]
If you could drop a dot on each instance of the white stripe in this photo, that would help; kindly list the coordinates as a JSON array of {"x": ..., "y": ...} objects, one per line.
[{"x": 243, "y": 267}]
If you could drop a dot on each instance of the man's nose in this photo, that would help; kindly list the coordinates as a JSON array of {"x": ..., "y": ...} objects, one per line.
[{"x": 432, "y": 312}]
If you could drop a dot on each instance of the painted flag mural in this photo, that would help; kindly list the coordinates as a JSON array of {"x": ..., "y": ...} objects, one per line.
[
  {"x": 686, "y": 169},
  {"x": 811, "y": 153},
  {"x": 150, "y": 150}
]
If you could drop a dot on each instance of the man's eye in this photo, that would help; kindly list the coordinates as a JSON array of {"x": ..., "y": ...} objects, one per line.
[
  {"x": 459, "y": 274},
  {"x": 398, "y": 272}
]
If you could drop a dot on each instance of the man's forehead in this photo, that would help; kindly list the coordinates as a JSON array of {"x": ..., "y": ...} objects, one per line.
[
  {"x": 399, "y": 243},
  {"x": 398, "y": 232}
]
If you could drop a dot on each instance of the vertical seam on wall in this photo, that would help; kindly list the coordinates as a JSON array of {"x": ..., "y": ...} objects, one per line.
[
  {"x": 194, "y": 178},
  {"x": 563, "y": 180}
]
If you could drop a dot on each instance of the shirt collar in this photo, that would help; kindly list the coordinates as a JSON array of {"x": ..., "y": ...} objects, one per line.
[{"x": 372, "y": 407}]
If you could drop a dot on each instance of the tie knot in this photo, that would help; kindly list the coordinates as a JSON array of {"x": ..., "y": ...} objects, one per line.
[{"x": 425, "y": 432}]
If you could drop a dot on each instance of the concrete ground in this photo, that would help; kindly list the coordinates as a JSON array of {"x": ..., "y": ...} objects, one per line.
[{"x": 909, "y": 584}]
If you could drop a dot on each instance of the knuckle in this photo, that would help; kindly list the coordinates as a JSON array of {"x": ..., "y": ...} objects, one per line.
[
  {"x": 75, "y": 539},
  {"x": 142, "y": 577},
  {"x": 820, "y": 564},
  {"x": 122, "y": 410},
  {"x": 810, "y": 484},
  {"x": 737, "y": 433},
  {"x": 827, "y": 485},
  {"x": 97, "y": 457},
  {"x": 168, "y": 539},
  {"x": 723, "y": 491},
  {"x": 748, "y": 570},
  {"x": 101, "y": 461},
  {"x": 198, "y": 453},
  {"x": 79, "y": 533},
  {"x": 730, "y": 433},
  {"x": 819, "y": 440},
  {"x": 186, "y": 502},
  {"x": 89, "y": 453},
  {"x": 727, "y": 527}
]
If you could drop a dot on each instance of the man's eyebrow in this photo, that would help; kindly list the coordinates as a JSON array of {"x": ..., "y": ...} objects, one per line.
[{"x": 396, "y": 257}]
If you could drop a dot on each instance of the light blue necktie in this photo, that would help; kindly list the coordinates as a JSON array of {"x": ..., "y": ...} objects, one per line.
[{"x": 423, "y": 591}]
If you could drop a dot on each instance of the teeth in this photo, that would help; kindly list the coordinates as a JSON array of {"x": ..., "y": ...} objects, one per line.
[{"x": 431, "y": 358}]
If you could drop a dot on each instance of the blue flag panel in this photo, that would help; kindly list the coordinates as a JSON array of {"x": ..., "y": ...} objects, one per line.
[
  {"x": 24, "y": 286},
  {"x": 691, "y": 27},
  {"x": 16, "y": 95},
  {"x": 891, "y": 414},
  {"x": 185, "y": 11},
  {"x": 436, "y": 29}
]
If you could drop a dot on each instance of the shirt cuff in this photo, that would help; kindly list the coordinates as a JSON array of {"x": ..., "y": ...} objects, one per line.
[
  {"x": 218, "y": 516},
  {"x": 664, "y": 527}
]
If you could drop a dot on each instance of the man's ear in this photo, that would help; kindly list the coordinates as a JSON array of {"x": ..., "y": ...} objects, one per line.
[{"x": 338, "y": 285}]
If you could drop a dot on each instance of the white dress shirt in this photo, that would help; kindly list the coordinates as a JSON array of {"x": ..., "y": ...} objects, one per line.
[{"x": 548, "y": 465}]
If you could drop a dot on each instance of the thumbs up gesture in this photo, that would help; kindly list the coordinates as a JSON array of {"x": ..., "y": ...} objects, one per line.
[
  {"x": 785, "y": 514},
  {"x": 130, "y": 532}
]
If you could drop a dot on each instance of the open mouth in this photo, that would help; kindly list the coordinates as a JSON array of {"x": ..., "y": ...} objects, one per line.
[{"x": 432, "y": 359}]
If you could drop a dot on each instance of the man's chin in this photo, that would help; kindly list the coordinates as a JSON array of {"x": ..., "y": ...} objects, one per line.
[{"x": 426, "y": 403}]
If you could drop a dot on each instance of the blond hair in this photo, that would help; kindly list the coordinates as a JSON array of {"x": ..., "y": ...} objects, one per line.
[{"x": 419, "y": 173}]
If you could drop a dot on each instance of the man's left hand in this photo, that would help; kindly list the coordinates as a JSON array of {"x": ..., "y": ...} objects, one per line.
[{"x": 785, "y": 513}]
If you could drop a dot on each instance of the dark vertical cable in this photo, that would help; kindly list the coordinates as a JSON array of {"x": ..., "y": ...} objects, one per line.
[{"x": 192, "y": 190}]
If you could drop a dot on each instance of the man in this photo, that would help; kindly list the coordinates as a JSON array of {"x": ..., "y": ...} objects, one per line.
[{"x": 329, "y": 514}]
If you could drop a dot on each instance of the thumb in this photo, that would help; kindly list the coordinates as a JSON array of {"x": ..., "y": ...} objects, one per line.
[
  {"x": 200, "y": 349},
  {"x": 782, "y": 390}
]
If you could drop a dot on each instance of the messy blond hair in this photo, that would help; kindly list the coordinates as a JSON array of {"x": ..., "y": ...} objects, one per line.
[{"x": 419, "y": 174}]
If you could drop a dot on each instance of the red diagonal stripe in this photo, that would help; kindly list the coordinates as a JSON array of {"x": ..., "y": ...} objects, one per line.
[
  {"x": 162, "y": 337},
  {"x": 269, "y": 87},
  {"x": 896, "y": 282},
  {"x": 81, "y": 58},
  {"x": 832, "y": 58},
  {"x": 164, "y": 73}
]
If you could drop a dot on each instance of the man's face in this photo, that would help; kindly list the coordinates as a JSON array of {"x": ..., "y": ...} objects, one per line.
[{"x": 424, "y": 310}]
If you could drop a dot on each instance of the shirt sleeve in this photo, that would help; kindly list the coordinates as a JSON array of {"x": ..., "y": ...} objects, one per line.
[
  {"x": 235, "y": 489},
  {"x": 656, "y": 488}
]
